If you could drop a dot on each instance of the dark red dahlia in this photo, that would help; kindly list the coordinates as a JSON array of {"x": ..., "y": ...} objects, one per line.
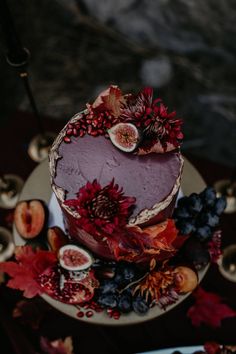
[
  {"x": 102, "y": 210},
  {"x": 153, "y": 118}
]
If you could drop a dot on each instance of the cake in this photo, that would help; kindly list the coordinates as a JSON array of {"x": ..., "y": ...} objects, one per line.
[
  {"x": 127, "y": 246},
  {"x": 123, "y": 145}
]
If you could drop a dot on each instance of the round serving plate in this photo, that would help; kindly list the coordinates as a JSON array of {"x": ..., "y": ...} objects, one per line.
[{"x": 38, "y": 186}]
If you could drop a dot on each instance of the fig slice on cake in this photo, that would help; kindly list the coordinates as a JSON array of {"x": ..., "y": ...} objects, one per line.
[
  {"x": 125, "y": 136},
  {"x": 74, "y": 258},
  {"x": 30, "y": 218}
]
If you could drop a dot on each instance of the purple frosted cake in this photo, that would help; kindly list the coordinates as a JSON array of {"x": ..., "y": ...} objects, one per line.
[{"x": 116, "y": 169}]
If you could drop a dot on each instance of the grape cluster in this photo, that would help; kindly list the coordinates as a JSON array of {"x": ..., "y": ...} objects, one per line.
[
  {"x": 115, "y": 293},
  {"x": 199, "y": 214}
]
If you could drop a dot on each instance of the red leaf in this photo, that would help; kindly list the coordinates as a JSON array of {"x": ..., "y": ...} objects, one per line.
[
  {"x": 109, "y": 100},
  {"x": 212, "y": 347},
  {"x": 24, "y": 272},
  {"x": 57, "y": 346},
  {"x": 208, "y": 309}
]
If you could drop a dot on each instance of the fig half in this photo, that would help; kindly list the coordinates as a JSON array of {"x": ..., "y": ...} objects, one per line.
[
  {"x": 186, "y": 279},
  {"x": 30, "y": 218},
  {"x": 125, "y": 136},
  {"x": 74, "y": 258}
]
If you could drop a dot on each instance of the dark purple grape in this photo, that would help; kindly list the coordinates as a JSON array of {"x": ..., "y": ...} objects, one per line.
[
  {"x": 220, "y": 205},
  {"x": 125, "y": 303},
  {"x": 203, "y": 233},
  {"x": 196, "y": 253},
  {"x": 140, "y": 306},
  {"x": 108, "y": 286},
  {"x": 185, "y": 226},
  {"x": 183, "y": 202},
  {"x": 195, "y": 204},
  {"x": 213, "y": 220},
  {"x": 125, "y": 273},
  {"x": 209, "y": 219},
  {"x": 181, "y": 213},
  {"x": 107, "y": 300},
  {"x": 208, "y": 196}
]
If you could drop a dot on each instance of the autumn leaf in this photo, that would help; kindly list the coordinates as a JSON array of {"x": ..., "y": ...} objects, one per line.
[
  {"x": 27, "y": 267},
  {"x": 57, "y": 346},
  {"x": 109, "y": 100},
  {"x": 208, "y": 309}
]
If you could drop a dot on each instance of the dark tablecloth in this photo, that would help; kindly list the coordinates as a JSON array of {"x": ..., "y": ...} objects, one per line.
[{"x": 169, "y": 330}]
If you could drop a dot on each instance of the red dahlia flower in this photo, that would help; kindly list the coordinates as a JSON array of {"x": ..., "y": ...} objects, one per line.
[
  {"x": 158, "y": 126},
  {"x": 101, "y": 210}
]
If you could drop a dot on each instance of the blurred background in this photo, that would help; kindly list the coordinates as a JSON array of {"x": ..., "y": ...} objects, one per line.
[{"x": 185, "y": 49}]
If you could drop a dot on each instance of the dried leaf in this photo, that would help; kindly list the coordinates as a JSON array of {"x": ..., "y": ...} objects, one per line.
[
  {"x": 110, "y": 100},
  {"x": 24, "y": 272},
  {"x": 208, "y": 309},
  {"x": 57, "y": 346}
]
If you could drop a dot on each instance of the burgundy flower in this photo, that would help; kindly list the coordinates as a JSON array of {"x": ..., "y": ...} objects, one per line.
[
  {"x": 153, "y": 118},
  {"x": 101, "y": 210},
  {"x": 214, "y": 246}
]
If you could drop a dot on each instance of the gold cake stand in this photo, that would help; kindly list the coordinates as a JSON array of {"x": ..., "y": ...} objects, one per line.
[{"x": 38, "y": 186}]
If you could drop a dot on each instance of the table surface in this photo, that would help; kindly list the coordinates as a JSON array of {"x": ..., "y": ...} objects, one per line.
[{"x": 170, "y": 330}]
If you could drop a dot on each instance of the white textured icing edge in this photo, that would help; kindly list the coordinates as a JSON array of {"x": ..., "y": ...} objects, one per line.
[{"x": 144, "y": 215}]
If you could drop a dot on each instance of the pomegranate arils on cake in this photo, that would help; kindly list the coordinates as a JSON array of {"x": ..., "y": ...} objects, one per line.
[{"x": 92, "y": 123}]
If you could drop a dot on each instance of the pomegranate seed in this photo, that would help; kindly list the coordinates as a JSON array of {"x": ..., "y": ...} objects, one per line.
[
  {"x": 89, "y": 129},
  {"x": 66, "y": 139},
  {"x": 80, "y": 314},
  {"x": 93, "y": 133},
  {"x": 89, "y": 314},
  {"x": 75, "y": 132},
  {"x": 81, "y": 133},
  {"x": 69, "y": 131},
  {"x": 116, "y": 316},
  {"x": 70, "y": 126}
]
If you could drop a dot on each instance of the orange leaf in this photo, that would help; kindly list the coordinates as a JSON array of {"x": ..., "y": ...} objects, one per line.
[{"x": 110, "y": 100}]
